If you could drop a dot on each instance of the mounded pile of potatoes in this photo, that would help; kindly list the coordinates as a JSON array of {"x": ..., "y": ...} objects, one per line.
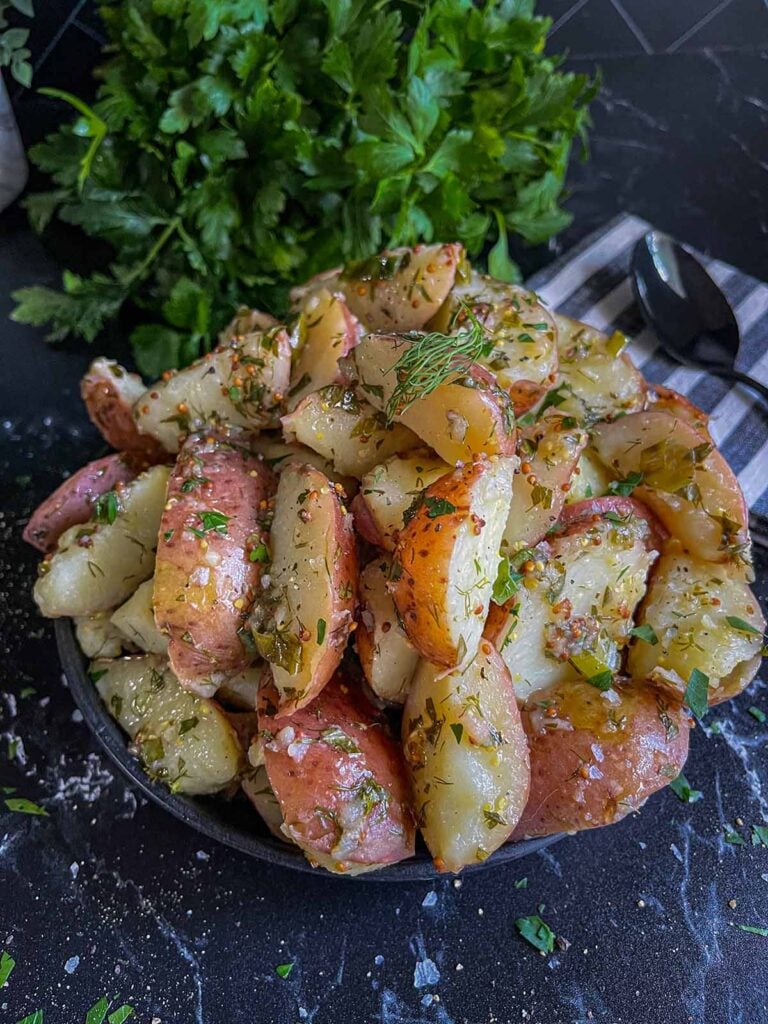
[{"x": 524, "y": 548}]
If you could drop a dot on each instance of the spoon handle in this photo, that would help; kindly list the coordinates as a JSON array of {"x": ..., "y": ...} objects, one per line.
[{"x": 743, "y": 378}]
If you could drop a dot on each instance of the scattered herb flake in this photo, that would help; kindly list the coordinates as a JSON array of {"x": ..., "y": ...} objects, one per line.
[
  {"x": 536, "y": 932},
  {"x": 122, "y": 1013},
  {"x": 753, "y": 929},
  {"x": 733, "y": 838},
  {"x": 33, "y": 1018},
  {"x": 259, "y": 554},
  {"x": 438, "y": 507},
  {"x": 645, "y": 633},
  {"x": 682, "y": 790},
  {"x": 458, "y": 730},
  {"x": 739, "y": 624},
  {"x": 696, "y": 693},
  {"x": 23, "y": 806},
  {"x": 321, "y": 627},
  {"x": 760, "y": 835},
  {"x": 7, "y": 963},
  {"x": 625, "y": 487},
  {"x": 187, "y": 724},
  {"x": 97, "y": 1012},
  {"x": 521, "y": 883},
  {"x": 106, "y": 508},
  {"x": 757, "y": 713},
  {"x": 283, "y": 970}
]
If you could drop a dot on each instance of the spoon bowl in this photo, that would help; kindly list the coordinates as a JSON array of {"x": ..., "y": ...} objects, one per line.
[{"x": 686, "y": 309}]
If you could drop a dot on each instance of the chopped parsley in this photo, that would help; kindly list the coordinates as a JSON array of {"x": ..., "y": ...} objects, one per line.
[
  {"x": 283, "y": 970},
  {"x": 741, "y": 626},
  {"x": 734, "y": 838},
  {"x": 645, "y": 633},
  {"x": 7, "y": 963},
  {"x": 210, "y": 520},
  {"x": 122, "y": 1013},
  {"x": 536, "y": 932},
  {"x": 757, "y": 714},
  {"x": 696, "y": 693},
  {"x": 321, "y": 627},
  {"x": 753, "y": 929},
  {"x": 681, "y": 787},
  {"x": 32, "y": 1018},
  {"x": 625, "y": 487},
  {"x": 188, "y": 724},
  {"x": 20, "y": 805},
  {"x": 438, "y": 507},
  {"x": 458, "y": 731},
  {"x": 507, "y": 582},
  {"x": 760, "y": 835},
  {"x": 106, "y": 508},
  {"x": 259, "y": 554},
  {"x": 521, "y": 883}
]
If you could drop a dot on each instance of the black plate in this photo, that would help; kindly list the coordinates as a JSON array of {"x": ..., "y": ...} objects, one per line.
[{"x": 234, "y": 822}]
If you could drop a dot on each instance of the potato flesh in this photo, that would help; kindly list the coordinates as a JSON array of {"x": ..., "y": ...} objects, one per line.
[
  {"x": 389, "y": 489},
  {"x": 135, "y": 620},
  {"x": 596, "y": 384},
  {"x": 80, "y": 580},
  {"x": 457, "y": 420},
  {"x": 388, "y": 658},
  {"x": 690, "y": 487},
  {"x": 256, "y": 787},
  {"x": 330, "y": 332},
  {"x": 590, "y": 478},
  {"x": 346, "y": 430},
  {"x": 550, "y": 450},
  {"x": 601, "y": 584},
  {"x": 183, "y": 740},
  {"x": 687, "y": 606},
  {"x": 97, "y": 637},
  {"x": 219, "y": 389},
  {"x": 467, "y": 755},
  {"x": 312, "y": 591}
]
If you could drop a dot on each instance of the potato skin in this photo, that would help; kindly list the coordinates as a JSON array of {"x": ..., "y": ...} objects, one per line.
[
  {"x": 595, "y": 757},
  {"x": 72, "y": 501},
  {"x": 340, "y": 780},
  {"x": 460, "y": 515},
  {"x": 205, "y": 582},
  {"x": 581, "y": 515},
  {"x": 109, "y": 392}
]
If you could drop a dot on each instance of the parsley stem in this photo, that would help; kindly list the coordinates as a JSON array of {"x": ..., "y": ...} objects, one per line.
[{"x": 138, "y": 272}]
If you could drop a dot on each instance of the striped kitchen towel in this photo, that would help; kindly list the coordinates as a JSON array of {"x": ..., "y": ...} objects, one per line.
[{"x": 591, "y": 283}]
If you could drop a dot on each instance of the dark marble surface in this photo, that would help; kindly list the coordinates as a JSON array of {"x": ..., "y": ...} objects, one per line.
[{"x": 107, "y": 895}]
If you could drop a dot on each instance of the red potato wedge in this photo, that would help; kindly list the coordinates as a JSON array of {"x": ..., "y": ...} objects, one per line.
[
  {"x": 468, "y": 758},
  {"x": 549, "y": 451},
  {"x": 524, "y": 357},
  {"x": 597, "y": 756},
  {"x": 183, "y": 740},
  {"x": 387, "y": 656},
  {"x": 240, "y": 384},
  {"x": 465, "y": 417},
  {"x": 675, "y": 404},
  {"x": 596, "y": 380},
  {"x": 303, "y": 620},
  {"x": 396, "y": 290},
  {"x": 72, "y": 501},
  {"x": 590, "y": 478},
  {"x": 689, "y": 486},
  {"x": 340, "y": 780},
  {"x": 578, "y": 597},
  {"x": 205, "y": 577},
  {"x": 447, "y": 559},
  {"x": 327, "y": 332},
  {"x": 99, "y": 564},
  {"x": 110, "y": 393},
  {"x": 389, "y": 490},
  {"x": 346, "y": 430},
  {"x": 704, "y": 617}
]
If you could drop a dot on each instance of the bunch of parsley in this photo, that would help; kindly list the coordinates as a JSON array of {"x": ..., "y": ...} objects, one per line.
[{"x": 238, "y": 146}]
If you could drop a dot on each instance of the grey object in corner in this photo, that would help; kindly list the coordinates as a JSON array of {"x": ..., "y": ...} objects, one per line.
[{"x": 13, "y": 163}]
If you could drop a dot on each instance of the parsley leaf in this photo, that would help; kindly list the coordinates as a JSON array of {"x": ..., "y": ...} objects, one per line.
[
  {"x": 507, "y": 582},
  {"x": 438, "y": 507},
  {"x": 283, "y": 970},
  {"x": 21, "y": 805},
  {"x": 625, "y": 487},
  {"x": 696, "y": 693},
  {"x": 234, "y": 148},
  {"x": 681, "y": 787},
  {"x": 536, "y": 932},
  {"x": 646, "y": 633},
  {"x": 7, "y": 963}
]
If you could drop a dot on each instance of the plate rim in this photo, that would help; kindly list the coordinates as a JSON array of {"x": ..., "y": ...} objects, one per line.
[{"x": 193, "y": 813}]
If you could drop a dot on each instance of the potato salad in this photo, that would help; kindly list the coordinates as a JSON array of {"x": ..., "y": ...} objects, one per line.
[{"x": 426, "y": 559}]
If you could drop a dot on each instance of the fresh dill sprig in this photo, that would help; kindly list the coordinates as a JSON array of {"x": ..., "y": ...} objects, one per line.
[{"x": 435, "y": 359}]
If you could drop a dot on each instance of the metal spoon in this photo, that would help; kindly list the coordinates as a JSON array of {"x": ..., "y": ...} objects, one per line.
[{"x": 683, "y": 305}]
